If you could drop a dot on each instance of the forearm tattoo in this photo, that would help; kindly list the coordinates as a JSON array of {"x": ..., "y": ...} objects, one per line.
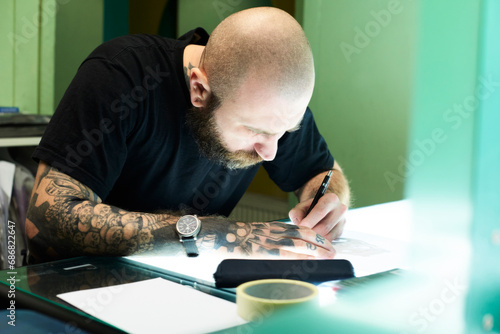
[{"x": 66, "y": 219}]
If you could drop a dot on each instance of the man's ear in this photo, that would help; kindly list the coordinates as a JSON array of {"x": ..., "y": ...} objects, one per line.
[{"x": 198, "y": 87}]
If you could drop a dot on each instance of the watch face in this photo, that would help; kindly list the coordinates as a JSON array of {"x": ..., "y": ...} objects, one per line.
[{"x": 188, "y": 225}]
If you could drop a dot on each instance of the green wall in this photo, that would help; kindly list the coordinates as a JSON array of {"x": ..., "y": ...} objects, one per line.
[
  {"x": 79, "y": 29},
  {"x": 6, "y": 53},
  {"x": 19, "y": 62},
  {"x": 364, "y": 60},
  {"x": 208, "y": 14},
  {"x": 43, "y": 43}
]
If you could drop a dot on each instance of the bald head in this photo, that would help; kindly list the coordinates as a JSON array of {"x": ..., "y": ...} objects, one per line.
[{"x": 264, "y": 44}]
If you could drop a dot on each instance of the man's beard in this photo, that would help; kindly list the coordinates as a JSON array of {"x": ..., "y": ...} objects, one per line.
[{"x": 202, "y": 123}]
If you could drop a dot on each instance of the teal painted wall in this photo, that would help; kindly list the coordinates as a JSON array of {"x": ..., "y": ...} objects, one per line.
[
  {"x": 483, "y": 307},
  {"x": 364, "y": 60},
  {"x": 454, "y": 186},
  {"x": 441, "y": 152}
]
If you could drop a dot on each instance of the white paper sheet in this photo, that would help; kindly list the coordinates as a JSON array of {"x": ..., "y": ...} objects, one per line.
[
  {"x": 377, "y": 238},
  {"x": 370, "y": 254},
  {"x": 156, "y": 306}
]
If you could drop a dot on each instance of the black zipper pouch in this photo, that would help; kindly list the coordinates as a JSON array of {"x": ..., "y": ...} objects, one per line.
[{"x": 233, "y": 272}]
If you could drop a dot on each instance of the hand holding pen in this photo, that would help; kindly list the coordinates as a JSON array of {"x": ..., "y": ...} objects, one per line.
[
  {"x": 321, "y": 191},
  {"x": 326, "y": 218}
]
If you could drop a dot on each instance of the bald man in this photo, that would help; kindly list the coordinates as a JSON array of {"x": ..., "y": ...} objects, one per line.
[{"x": 156, "y": 140}]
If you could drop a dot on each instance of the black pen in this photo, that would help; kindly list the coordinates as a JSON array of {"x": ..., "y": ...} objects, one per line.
[{"x": 321, "y": 191}]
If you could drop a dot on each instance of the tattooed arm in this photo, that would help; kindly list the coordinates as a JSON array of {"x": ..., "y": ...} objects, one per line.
[
  {"x": 66, "y": 219},
  {"x": 328, "y": 216}
]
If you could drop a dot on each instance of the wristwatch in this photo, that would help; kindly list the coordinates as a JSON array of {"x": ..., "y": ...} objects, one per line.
[{"x": 188, "y": 228}]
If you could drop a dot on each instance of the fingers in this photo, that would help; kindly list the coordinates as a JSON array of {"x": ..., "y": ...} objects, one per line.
[
  {"x": 298, "y": 213},
  {"x": 286, "y": 234},
  {"x": 326, "y": 204},
  {"x": 290, "y": 241},
  {"x": 309, "y": 249},
  {"x": 333, "y": 224},
  {"x": 265, "y": 239},
  {"x": 311, "y": 243},
  {"x": 309, "y": 236},
  {"x": 336, "y": 232},
  {"x": 327, "y": 218},
  {"x": 299, "y": 250}
]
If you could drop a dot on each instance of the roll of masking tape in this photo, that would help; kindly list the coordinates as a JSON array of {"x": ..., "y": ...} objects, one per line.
[{"x": 258, "y": 299}]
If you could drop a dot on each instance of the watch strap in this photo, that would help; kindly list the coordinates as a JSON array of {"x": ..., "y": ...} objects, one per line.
[{"x": 190, "y": 246}]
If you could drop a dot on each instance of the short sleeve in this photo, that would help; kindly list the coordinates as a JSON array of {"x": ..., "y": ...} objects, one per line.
[
  {"x": 301, "y": 155},
  {"x": 86, "y": 137}
]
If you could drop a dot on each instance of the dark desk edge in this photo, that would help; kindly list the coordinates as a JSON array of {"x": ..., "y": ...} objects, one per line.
[
  {"x": 224, "y": 293},
  {"x": 83, "y": 321}
]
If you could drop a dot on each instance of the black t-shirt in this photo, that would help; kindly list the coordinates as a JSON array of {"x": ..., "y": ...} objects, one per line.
[{"x": 120, "y": 130}]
